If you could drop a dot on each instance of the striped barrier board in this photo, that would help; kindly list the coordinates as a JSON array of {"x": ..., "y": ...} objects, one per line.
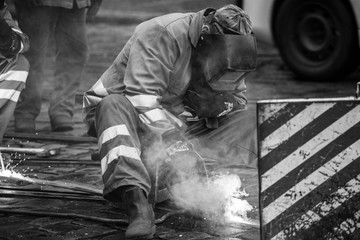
[{"x": 309, "y": 168}]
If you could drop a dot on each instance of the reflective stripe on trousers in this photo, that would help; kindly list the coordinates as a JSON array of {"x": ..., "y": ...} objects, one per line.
[
  {"x": 11, "y": 84},
  {"x": 118, "y": 126}
]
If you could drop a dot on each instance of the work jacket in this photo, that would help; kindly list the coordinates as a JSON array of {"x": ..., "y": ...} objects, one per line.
[
  {"x": 153, "y": 71},
  {"x": 6, "y": 62}
]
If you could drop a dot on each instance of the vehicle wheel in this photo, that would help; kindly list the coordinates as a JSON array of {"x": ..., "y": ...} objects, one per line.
[{"x": 317, "y": 39}]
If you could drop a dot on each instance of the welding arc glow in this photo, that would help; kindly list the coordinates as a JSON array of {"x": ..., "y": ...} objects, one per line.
[{"x": 218, "y": 199}]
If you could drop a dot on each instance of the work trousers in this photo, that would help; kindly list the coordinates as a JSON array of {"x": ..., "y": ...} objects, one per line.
[
  {"x": 67, "y": 30},
  {"x": 12, "y": 82},
  {"x": 123, "y": 137}
]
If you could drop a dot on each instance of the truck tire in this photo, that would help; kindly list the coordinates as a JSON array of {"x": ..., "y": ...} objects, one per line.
[{"x": 317, "y": 39}]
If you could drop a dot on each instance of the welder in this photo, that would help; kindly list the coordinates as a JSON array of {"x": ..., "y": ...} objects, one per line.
[
  {"x": 178, "y": 77},
  {"x": 14, "y": 67}
]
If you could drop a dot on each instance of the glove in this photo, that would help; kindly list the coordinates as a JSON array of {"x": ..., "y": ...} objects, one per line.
[
  {"x": 209, "y": 104},
  {"x": 182, "y": 164},
  {"x": 171, "y": 137},
  {"x": 9, "y": 41},
  {"x": 5, "y": 35}
]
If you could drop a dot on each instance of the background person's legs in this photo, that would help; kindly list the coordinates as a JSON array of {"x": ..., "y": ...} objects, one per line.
[
  {"x": 37, "y": 23},
  {"x": 71, "y": 56}
]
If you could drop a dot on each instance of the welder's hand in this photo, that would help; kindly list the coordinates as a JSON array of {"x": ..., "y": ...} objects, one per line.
[
  {"x": 182, "y": 164},
  {"x": 10, "y": 43},
  {"x": 230, "y": 102},
  {"x": 204, "y": 104},
  {"x": 210, "y": 104},
  {"x": 5, "y": 34},
  {"x": 172, "y": 136}
]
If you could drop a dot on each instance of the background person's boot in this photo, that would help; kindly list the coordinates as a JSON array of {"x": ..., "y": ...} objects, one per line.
[
  {"x": 140, "y": 215},
  {"x": 61, "y": 123},
  {"x": 24, "y": 125}
]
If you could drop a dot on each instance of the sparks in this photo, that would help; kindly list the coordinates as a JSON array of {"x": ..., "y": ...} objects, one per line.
[
  {"x": 235, "y": 207},
  {"x": 10, "y": 173}
]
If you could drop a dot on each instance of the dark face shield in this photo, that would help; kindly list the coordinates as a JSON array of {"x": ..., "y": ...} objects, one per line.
[{"x": 224, "y": 60}]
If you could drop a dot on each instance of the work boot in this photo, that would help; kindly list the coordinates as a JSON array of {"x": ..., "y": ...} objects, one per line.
[
  {"x": 61, "y": 124},
  {"x": 25, "y": 125},
  {"x": 140, "y": 215}
]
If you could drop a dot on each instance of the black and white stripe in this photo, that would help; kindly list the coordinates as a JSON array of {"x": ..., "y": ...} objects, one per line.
[{"x": 309, "y": 168}]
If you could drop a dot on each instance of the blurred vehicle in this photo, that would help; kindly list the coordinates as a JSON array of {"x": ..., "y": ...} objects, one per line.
[{"x": 317, "y": 39}]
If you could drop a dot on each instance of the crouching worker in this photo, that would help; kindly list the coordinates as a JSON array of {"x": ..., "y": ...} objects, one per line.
[
  {"x": 178, "y": 77},
  {"x": 14, "y": 67}
]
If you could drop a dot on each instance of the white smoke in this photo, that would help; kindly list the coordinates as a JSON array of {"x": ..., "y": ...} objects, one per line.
[
  {"x": 213, "y": 195},
  {"x": 217, "y": 198}
]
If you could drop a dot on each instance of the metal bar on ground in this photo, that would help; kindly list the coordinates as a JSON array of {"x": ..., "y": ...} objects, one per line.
[
  {"x": 57, "y": 161},
  {"x": 53, "y": 137},
  {"x": 41, "y": 194},
  {"x": 41, "y": 152}
]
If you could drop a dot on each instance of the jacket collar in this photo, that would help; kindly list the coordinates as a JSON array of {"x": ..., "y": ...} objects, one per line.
[{"x": 196, "y": 25}]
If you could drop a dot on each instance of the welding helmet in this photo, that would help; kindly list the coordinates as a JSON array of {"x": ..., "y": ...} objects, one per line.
[
  {"x": 226, "y": 51},
  {"x": 224, "y": 60}
]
